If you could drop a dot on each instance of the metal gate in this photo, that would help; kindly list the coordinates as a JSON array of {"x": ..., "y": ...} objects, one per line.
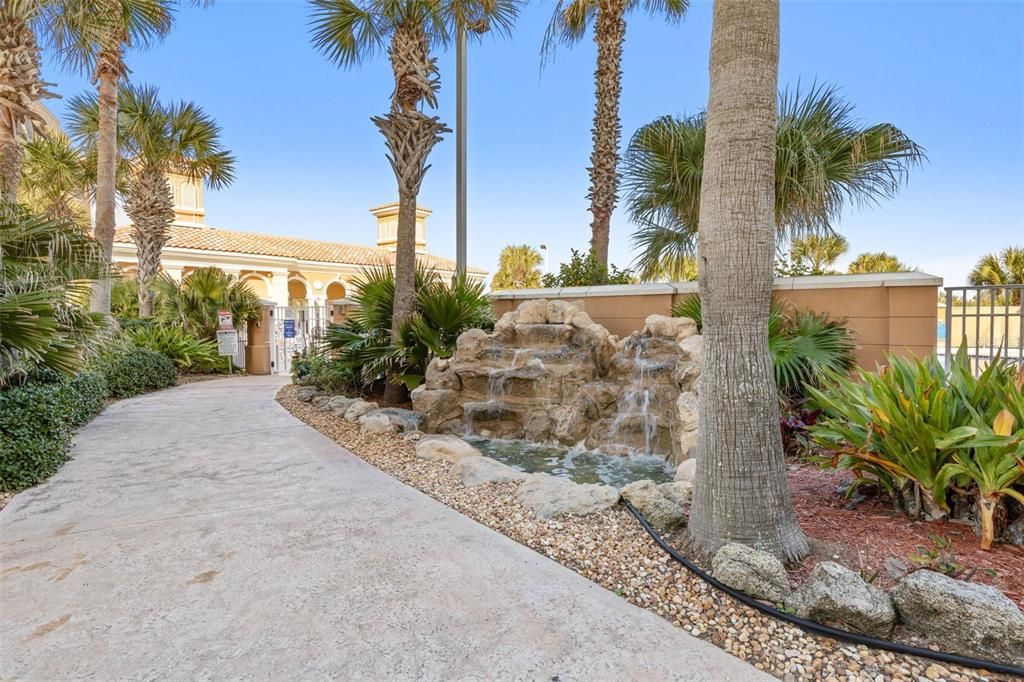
[
  {"x": 294, "y": 330},
  {"x": 988, "y": 320}
]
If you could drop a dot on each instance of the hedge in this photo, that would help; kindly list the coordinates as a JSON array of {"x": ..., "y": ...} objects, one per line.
[{"x": 34, "y": 441}]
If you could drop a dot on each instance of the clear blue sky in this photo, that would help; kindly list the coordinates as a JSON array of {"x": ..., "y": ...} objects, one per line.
[{"x": 310, "y": 163}]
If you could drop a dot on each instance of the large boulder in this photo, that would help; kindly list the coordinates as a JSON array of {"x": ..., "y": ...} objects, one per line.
[
  {"x": 678, "y": 328},
  {"x": 835, "y": 595},
  {"x": 533, "y": 312},
  {"x": 437, "y": 407},
  {"x": 687, "y": 471},
  {"x": 659, "y": 509},
  {"x": 965, "y": 618},
  {"x": 320, "y": 400},
  {"x": 693, "y": 348},
  {"x": 476, "y": 470},
  {"x": 374, "y": 422},
  {"x": 358, "y": 408},
  {"x": 338, "y": 405},
  {"x": 547, "y": 496},
  {"x": 444, "y": 448},
  {"x": 757, "y": 573},
  {"x": 393, "y": 419},
  {"x": 570, "y": 423},
  {"x": 440, "y": 375},
  {"x": 561, "y": 312},
  {"x": 470, "y": 344},
  {"x": 679, "y": 491},
  {"x": 687, "y": 411},
  {"x": 307, "y": 393}
]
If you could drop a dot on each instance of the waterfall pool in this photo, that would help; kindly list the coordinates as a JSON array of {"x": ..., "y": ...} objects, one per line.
[{"x": 581, "y": 466}]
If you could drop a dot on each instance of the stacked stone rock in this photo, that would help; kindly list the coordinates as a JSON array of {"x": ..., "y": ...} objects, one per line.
[{"x": 548, "y": 373}]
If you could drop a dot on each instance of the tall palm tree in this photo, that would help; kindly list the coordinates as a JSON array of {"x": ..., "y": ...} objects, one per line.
[
  {"x": 21, "y": 87},
  {"x": 1005, "y": 268},
  {"x": 156, "y": 139},
  {"x": 517, "y": 268},
  {"x": 825, "y": 160},
  {"x": 877, "y": 261},
  {"x": 818, "y": 251},
  {"x": 92, "y": 37},
  {"x": 348, "y": 33},
  {"x": 740, "y": 492},
  {"x": 569, "y": 25}
]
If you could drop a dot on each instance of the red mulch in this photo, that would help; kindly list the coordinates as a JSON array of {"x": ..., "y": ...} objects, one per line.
[{"x": 868, "y": 534}]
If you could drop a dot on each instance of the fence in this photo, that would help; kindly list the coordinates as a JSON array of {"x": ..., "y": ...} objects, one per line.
[
  {"x": 295, "y": 328},
  {"x": 986, "y": 319}
]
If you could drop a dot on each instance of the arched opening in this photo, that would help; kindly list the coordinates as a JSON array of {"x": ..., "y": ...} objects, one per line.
[
  {"x": 297, "y": 292},
  {"x": 335, "y": 291},
  {"x": 258, "y": 285}
]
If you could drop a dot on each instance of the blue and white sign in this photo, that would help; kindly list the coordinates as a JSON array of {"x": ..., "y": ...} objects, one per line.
[{"x": 289, "y": 329}]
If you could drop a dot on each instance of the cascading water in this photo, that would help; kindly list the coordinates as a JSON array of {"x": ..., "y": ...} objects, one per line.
[{"x": 636, "y": 403}]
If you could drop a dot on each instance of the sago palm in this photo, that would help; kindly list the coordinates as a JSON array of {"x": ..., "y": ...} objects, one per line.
[
  {"x": 350, "y": 32},
  {"x": 92, "y": 38},
  {"x": 21, "y": 86},
  {"x": 818, "y": 251},
  {"x": 1006, "y": 268},
  {"x": 568, "y": 25},
  {"x": 877, "y": 261},
  {"x": 824, "y": 162},
  {"x": 157, "y": 139}
]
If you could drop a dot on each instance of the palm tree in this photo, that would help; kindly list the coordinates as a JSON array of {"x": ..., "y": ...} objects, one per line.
[
  {"x": 877, "y": 261},
  {"x": 569, "y": 25},
  {"x": 157, "y": 140},
  {"x": 21, "y": 87},
  {"x": 818, "y": 251},
  {"x": 740, "y": 492},
  {"x": 1007, "y": 268},
  {"x": 92, "y": 37},
  {"x": 517, "y": 268},
  {"x": 57, "y": 178},
  {"x": 824, "y": 161},
  {"x": 350, "y": 32},
  {"x": 193, "y": 303}
]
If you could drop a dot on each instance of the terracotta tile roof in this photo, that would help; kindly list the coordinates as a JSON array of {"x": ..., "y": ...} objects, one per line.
[{"x": 211, "y": 239}]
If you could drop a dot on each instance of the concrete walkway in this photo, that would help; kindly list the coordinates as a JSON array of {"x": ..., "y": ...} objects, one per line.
[{"x": 204, "y": 533}]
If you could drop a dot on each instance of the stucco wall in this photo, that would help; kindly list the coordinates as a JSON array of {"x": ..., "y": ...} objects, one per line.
[{"x": 892, "y": 312}]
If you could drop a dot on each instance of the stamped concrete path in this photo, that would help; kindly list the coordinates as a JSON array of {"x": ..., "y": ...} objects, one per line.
[{"x": 204, "y": 533}]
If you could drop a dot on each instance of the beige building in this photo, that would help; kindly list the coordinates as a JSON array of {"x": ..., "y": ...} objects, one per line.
[{"x": 289, "y": 271}]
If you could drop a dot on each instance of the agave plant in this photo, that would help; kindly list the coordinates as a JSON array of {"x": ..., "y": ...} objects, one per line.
[
  {"x": 192, "y": 304},
  {"x": 806, "y": 347},
  {"x": 46, "y": 266}
]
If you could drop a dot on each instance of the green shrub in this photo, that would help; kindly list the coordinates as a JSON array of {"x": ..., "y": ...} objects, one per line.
[
  {"x": 34, "y": 440},
  {"x": 84, "y": 397},
  {"x": 186, "y": 351},
  {"x": 130, "y": 370},
  {"x": 584, "y": 271}
]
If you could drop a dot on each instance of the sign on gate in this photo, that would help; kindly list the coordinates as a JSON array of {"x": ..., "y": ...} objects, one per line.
[
  {"x": 227, "y": 342},
  {"x": 289, "y": 329},
  {"x": 224, "y": 321}
]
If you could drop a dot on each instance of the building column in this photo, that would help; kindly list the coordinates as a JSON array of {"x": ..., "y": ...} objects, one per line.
[
  {"x": 279, "y": 287},
  {"x": 173, "y": 272}
]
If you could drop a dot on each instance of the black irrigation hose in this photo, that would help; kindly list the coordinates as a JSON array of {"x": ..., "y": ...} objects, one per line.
[{"x": 817, "y": 628}]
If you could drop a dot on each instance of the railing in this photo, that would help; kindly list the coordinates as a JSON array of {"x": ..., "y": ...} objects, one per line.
[
  {"x": 987, "y": 319},
  {"x": 294, "y": 329}
]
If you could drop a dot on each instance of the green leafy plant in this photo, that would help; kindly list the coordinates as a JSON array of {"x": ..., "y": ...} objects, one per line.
[
  {"x": 940, "y": 558},
  {"x": 585, "y": 270},
  {"x": 806, "y": 347},
  {"x": 84, "y": 396},
  {"x": 186, "y": 351},
  {"x": 124, "y": 298},
  {"x": 34, "y": 439},
  {"x": 192, "y": 304},
  {"x": 129, "y": 370}
]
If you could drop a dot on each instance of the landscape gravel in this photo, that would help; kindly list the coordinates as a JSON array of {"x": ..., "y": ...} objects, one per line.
[{"x": 611, "y": 549}]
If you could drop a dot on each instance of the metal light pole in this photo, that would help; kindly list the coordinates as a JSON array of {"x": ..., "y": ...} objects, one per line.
[{"x": 460, "y": 151}]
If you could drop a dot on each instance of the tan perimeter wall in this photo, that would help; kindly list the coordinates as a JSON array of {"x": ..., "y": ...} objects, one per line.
[{"x": 892, "y": 312}]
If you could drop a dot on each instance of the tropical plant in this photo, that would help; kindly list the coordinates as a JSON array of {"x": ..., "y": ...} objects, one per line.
[
  {"x": 188, "y": 353},
  {"x": 443, "y": 311},
  {"x": 915, "y": 429},
  {"x": 877, "y": 261},
  {"x": 130, "y": 370},
  {"x": 584, "y": 270},
  {"x": 57, "y": 178},
  {"x": 157, "y": 139},
  {"x": 824, "y": 161},
  {"x": 350, "y": 32},
  {"x": 807, "y": 348},
  {"x": 91, "y": 37},
  {"x": 46, "y": 265},
  {"x": 124, "y": 298},
  {"x": 192, "y": 304},
  {"x": 21, "y": 87},
  {"x": 818, "y": 252},
  {"x": 1005, "y": 268},
  {"x": 517, "y": 268},
  {"x": 568, "y": 25},
  {"x": 739, "y": 414}
]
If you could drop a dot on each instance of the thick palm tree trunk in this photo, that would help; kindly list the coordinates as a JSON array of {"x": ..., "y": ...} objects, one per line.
[
  {"x": 10, "y": 163},
  {"x": 741, "y": 494},
  {"x": 20, "y": 87},
  {"x": 609, "y": 34},
  {"x": 108, "y": 74},
  {"x": 149, "y": 202}
]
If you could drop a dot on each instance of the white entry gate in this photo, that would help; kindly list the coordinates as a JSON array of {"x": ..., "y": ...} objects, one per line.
[{"x": 295, "y": 328}]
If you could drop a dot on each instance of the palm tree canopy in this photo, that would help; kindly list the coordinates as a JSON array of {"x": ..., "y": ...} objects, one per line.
[
  {"x": 350, "y": 32},
  {"x": 1005, "y": 268},
  {"x": 878, "y": 261},
  {"x": 179, "y": 138},
  {"x": 571, "y": 18},
  {"x": 56, "y": 176},
  {"x": 825, "y": 161},
  {"x": 517, "y": 268},
  {"x": 818, "y": 251}
]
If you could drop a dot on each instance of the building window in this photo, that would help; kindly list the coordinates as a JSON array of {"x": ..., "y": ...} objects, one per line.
[{"x": 188, "y": 195}]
